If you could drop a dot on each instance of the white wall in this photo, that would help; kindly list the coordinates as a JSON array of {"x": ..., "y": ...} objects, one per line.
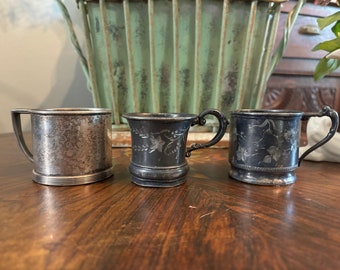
[{"x": 38, "y": 66}]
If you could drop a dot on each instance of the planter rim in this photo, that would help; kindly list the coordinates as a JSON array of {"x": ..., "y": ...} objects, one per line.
[{"x": 145, "y": 1}]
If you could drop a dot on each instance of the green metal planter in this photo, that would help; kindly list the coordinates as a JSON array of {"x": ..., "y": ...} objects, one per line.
[{"x": 178, "y": 56}]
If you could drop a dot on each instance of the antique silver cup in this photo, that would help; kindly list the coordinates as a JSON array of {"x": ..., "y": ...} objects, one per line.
[
  {"x": 159, "y": 146},
  {"x": 69, "y": 146},
  {"x": 264, "y": 144}
]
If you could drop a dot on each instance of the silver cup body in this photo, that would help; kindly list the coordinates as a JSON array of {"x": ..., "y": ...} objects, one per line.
[
  {"x": 70, "y": 146},
  {"x": 264, "y": 144},
  {"x": 159, "y": 145}
]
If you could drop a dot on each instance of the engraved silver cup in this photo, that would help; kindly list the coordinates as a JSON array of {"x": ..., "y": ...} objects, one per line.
[
  {"x": 70, "y": 146},
  {"x": 264, "y": 144},
  {"x": 159, "y": 146}
]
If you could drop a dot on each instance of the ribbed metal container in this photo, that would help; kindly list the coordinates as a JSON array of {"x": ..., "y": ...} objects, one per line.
[{"x": 178, "y": 56}]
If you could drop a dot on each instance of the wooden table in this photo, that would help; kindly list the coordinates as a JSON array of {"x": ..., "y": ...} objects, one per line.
[{"x": 210, "y": 222}]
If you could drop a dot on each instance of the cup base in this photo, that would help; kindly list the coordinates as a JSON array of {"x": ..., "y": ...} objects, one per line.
[
  {"x": 158, "y": 176},
  {"x": 263, "y": 178},
  {"x": 154, "y": 183},
  {"x": 52, "y": 180}
]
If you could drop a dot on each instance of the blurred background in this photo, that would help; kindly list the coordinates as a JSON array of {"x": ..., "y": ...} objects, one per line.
[{"x": 38, "y": 67}]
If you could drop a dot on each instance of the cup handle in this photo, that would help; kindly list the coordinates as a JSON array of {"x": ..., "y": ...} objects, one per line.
[
  {"x": 200, "y": 120},
  {"x": 333, "y": 115},
  {"x": 16, "y": 122}
]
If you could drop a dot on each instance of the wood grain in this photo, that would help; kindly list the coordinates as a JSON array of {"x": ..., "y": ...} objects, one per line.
[{"x": 210, "y": 222}]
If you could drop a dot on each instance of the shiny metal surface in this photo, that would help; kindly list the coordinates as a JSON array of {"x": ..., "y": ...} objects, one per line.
[
  {"x": 159, "y": 146},
  {"x": 264, "y": 144},
  {"x": 70, "y": 146}
]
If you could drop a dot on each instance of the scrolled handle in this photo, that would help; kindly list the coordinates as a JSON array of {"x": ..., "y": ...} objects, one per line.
[
  {"x": 16, "y": 121},
  {"x": 200, "y": 120},
  {"x": 333, "y": 115}
]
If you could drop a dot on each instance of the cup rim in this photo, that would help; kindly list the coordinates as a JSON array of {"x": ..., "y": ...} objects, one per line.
[
  {"x": 159, "y": 116},
  {"x": 66, "y": 111},
  {"x": 267, "y": 112}
]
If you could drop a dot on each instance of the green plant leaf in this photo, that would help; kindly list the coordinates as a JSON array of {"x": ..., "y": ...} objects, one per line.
[
  {"x": 325, "y": 67},
  {"x": 328, "y": 46},
  {"x": 324, "y": 22},
  {"x": 336, "y": 29}
]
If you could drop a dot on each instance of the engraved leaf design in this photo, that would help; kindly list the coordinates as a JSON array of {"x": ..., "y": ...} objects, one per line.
[
  {"x": 175, "y": 138},
  {"x": 164, "y": 141},
  {"x": 267, "y": 159},
  {"x": 242, "y": 154},
  {"x": 172, "y": 147},
  {"x": 274, "y": 152},
  {"x": 141, "y": 133},
  {"x": 156, "y": 144}
]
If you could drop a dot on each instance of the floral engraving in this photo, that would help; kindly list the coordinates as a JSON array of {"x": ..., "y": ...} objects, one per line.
[
  {"x": 273, "y": 143},
  {"x": 157, "y": 143},
  {"x": 72, "y": 145},
  {"x": 164, "y": 141}
]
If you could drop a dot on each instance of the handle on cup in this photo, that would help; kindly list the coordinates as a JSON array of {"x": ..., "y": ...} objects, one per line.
[
  {"x": 200, "y": 120},
  {"x": 16, "y": 121},
  {"x": 333, "y": 115}
]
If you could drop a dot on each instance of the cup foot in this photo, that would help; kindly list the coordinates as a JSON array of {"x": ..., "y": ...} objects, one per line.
[
  {"x": 52, "y": 180},
  {"x": 158, "y": 176},
  {"x": 154, "y": 183},
  {"x": 263, "y": 178}
]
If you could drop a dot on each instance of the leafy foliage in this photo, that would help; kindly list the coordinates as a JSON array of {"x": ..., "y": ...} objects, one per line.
[
  {"x": 331, "y": 61},
  {"x": 325, "y": 67}
]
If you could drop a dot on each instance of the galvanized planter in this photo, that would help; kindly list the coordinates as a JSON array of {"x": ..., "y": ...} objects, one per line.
[{"x": 178, "y": 56}]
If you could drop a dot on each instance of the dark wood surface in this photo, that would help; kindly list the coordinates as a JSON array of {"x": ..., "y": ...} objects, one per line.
[{"x": 210, "y": 222}]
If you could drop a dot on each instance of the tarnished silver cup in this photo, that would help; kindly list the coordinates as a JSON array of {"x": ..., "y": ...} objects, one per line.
[
  {"x": 264, "y": 144},
  {"x": 70, "y": 146},
  {"x": 159, "y": 145}
]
